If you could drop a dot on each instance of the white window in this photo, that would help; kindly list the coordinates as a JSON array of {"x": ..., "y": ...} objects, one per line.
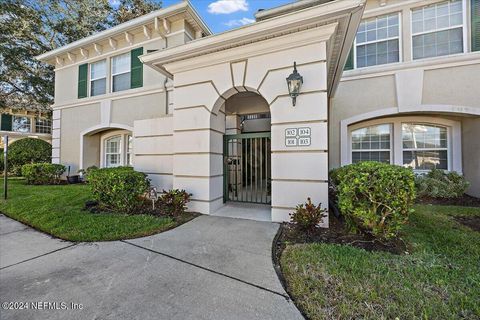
[
  {"x": 121, "y": 72},
  {"x": 129, "y": 148},
  {"x": 43, "y": 125},
  {"x": 424, "y": 146},
  {"x": 113, "y": 151},
  {"x": 437, "y": 30},
  {"x": 378, "y": 41},
  {"x": 117, "y": 149},
  {"x": 371, "y": 144},
  {"x": 21, "y": 124},
  {"x": 98, "y": 78}
]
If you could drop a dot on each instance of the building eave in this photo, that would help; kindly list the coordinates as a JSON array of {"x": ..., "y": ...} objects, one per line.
[{"x": 183, "y": 6}]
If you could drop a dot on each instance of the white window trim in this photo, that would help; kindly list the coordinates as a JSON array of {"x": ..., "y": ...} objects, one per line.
[
  {"x": 464, "y": 30},
  {"x": 90, "y": 79},
  {"x": 454, "y": 140},
  {"x": 400, "y": 42},
  {"x": 118, "y": 73},
  {"x": 123, "y": 147},
  {"x": 369, "y": 150}
]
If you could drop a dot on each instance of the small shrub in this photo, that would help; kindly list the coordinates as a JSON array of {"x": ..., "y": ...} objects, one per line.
[
  {"x": 42, "y": 173},
  {"x": 174, "y": 202},
  {"x": 118, "y": 189},
  {"x": 374, "y": 197},
  {"x": 440, "y": 184},
  {"x": 307, "y": 217},
  {"x": 84, "y": 172},
  {"x": 27, "y": 150}
]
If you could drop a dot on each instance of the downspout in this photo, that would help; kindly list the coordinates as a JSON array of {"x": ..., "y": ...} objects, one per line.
[
  {"x": 165, "y": 83},
  {"x": 166, "y": 95}
]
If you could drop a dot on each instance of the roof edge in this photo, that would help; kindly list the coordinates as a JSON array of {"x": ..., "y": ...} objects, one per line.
[{"x": 185, "y": 5}]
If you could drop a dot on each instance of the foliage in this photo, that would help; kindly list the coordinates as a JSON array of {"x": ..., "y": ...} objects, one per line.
[
  {"x": 307, "y": 217},
  {"x": 438, "y": 279},
  {"x": 375, "y": 198},
  {"x": 119, "y": 189},
  {"x": 31, "y": 27},
  {"x": 59, "y": 210},
  {"x": 440, "y": 184},
  {"x": 27, "y": 150},
  {"x": 130, "y": 9},
  {"x": 42, "y": 173},
  {"x": 174, "y": 202}
]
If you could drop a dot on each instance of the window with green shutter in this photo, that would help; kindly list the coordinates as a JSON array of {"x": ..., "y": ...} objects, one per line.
[
  {"x": 6, "y": 122},
  {"x": 136, "y": 74},
  {"x": 349, "y": 63},
  {"x": 475, "y": 12},
  {"x": 82, "y": 80}
]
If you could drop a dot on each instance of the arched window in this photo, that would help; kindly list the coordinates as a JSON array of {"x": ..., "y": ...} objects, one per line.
[
  {"x": 424, "y": 146},
  {"x": 113, "y": 151},
  {"x": 371, "y": 144}
]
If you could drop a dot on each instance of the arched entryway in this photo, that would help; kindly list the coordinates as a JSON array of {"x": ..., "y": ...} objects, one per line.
[
  {"x": 106, "y": 146},
  {"x": 247, "y": 149}
]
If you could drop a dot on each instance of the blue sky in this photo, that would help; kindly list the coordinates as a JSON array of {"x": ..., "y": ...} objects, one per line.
[{"x": 221, "y": 15}]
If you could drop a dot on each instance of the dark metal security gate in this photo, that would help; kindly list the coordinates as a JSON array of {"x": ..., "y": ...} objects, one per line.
[{"x": 247, "y": 168}]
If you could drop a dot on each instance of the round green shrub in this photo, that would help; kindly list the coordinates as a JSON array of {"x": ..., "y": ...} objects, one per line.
[
  {"x": 27, "y": 150},
  {"x": 118, "y": 189},
  {"x": 374, "y": 197},
  {"x": 42, "y": 173},
  {"x": 440, "y": 184}
]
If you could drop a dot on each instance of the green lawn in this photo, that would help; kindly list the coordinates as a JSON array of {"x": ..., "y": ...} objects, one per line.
[
  {"x": 57, "y": 210},
  {"x": 439, "y": 279}
]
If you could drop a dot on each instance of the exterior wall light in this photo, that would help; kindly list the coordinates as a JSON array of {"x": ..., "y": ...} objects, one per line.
[{"x": 294, "y": 83}]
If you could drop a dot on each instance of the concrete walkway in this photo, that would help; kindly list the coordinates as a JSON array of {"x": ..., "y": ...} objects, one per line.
[{"x": 208, "y": 268}]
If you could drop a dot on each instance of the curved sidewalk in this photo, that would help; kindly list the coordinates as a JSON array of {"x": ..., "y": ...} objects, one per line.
[{"x": 209, "y": 268}]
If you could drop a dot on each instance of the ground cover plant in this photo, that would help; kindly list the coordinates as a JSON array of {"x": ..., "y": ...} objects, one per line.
[
  {"x": 435, "y": 276},
  {"x": 59, "y": 211},
  {"x": 440, "y": 184}
]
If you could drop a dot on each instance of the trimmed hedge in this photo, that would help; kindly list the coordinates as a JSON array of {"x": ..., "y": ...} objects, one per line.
[
  {"x": 440, "y": 184},
  {"x": 374, "y": 197},
  {"x": 27, "y": 150},
  {"x": 118, "y": 189},
  {"x": 42, "y": 173}
]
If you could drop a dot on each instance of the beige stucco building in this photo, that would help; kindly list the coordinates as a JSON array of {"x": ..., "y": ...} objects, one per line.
[{"x": 212, "y": 114}]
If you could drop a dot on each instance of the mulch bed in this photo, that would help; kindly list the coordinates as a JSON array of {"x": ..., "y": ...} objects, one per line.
[
  {"x": 464, "y": 201},
  {"x": 473, "y": 222},
  {"x": 337, "y": 233},
  {"x": 94, "y": 207}
]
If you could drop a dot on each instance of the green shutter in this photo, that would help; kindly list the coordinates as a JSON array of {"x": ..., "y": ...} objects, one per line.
[
  {"x": 6, "y": 122},
  {"x": 136, "y": 72},
  {"x": 475, "y": 12},
  {"x": 349, "y": 63},
  {"x": 82, "y": 80}
]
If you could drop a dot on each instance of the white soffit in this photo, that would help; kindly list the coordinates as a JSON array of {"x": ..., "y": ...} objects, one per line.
[{"x": 164, "y": 13}]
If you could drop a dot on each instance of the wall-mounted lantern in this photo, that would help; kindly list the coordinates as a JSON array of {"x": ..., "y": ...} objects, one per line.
[{"x": 294, "y": 83}]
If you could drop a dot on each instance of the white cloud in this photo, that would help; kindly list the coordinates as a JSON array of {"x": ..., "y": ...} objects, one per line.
[
  {"x": 227, "y": 6},
  {"x": 239, "y": 22}
]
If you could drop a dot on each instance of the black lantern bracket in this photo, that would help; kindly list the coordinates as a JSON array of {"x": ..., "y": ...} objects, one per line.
[{"x": 294, "y": 83}]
